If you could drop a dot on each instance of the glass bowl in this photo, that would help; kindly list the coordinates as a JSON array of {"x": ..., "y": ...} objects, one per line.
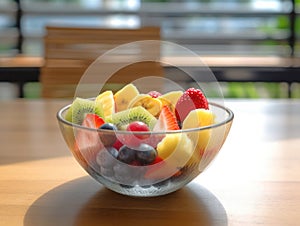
[{"x": 191, "y": 151}]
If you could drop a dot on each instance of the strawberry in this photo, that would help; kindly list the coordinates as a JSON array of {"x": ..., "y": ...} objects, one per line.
[
  {"x": 157, "y": 160},
  {"x": 154, "y": 94},
  {"x": 92, "y": 121},
  {"x": 190, "y": 100},
  {"x": 88, "y": 142},
  {"x": 166, "y": 120}
]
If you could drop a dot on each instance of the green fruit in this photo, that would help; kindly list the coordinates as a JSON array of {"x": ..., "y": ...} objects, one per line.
[
  {"x": 123, "y": 118},
  {"x": 79, "y": 108}
]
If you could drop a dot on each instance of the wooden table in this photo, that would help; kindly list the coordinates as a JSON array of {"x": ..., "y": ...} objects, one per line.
[{"x": 255, "y": 180}]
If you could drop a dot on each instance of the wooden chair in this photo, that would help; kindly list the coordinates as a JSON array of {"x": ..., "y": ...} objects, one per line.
[{"x": 69, "y": 51}]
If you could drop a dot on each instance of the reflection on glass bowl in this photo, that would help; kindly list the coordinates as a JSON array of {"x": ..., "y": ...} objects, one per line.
[{"x": 192, "y": 150}]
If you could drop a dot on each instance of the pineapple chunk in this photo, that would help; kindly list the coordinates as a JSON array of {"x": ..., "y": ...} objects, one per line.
[
  {"x": 106, "y": 101},
  {"x": 195, "y": 119},
  {"x": 176, "y": 149}
]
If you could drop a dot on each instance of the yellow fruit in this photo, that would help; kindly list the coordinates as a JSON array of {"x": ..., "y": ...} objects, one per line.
[
  {"x": 198, "y": 118},
  {"x": 152, "y": 105},
  {"x": 166, "y": 102},
  {"x": 195, "y": 119},
  {"x": 176, "y": 150},
  {"x": 106, "y": 101},
  {"x": 124, "y": 96},
  {"x": 168, "y": 144},
  {"x": 172, "y": 96}
]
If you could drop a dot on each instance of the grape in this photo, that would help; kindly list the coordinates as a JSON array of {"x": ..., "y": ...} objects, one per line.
[
  {"x": 107, "y": 138},
  {"x": 146, "y": 154},
  {"x": 138, "y": 126},
  {"x": 126, "y": 154}
]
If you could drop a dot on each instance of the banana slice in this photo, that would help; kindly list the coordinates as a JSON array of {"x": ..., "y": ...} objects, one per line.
[
  {"x": 153, "y": 105},
  {"x": 124, "y": 96},
  {"x": 172, "y": 96}
]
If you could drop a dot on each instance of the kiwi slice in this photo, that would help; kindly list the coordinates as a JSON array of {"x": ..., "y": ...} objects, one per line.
[
  {"x": 79, "y": 108},
  {"x": 123, "y": 118}
]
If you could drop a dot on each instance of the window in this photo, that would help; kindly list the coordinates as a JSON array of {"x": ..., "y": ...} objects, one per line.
[
  {"x": 252, "y": 27},
  {"x": 39, "y": 13},
  {"x": 297, "y": 28},
  {"x": 8, "y": 30},
  {"x": 255, "y": 27}
]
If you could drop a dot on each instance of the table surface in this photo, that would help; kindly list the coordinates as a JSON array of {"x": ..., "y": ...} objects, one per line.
[
  {"x": 255, "y": 179},
  {"x": 211, "y": 61}
]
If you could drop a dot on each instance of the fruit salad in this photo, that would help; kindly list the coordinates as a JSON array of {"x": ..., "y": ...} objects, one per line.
[{"x": 136, "y": 138}]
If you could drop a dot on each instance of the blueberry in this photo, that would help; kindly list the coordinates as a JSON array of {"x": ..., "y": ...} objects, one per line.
[
  {"x": 108, "y": 126},
  {"x": 145, "y": 154},
  {"x": 126, "y": 154},
  {"x": 107, "y": 157},
  {"x": 108, "y": 138}
]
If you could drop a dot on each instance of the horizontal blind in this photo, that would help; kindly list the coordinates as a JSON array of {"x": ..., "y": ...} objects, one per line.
[
  {"x": 247, "y": 27},
  {"x": 225, "y": 27}
]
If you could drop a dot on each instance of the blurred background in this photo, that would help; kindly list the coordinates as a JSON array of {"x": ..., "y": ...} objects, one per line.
[{"x": 207, "y": 27}]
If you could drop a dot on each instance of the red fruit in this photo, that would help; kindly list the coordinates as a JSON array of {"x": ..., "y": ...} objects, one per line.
[
  {"x": 87, "y": 142},
  {"x": 156, "y": 160},
  {"x": 166, "y": 120},
  {"x": 118, "y": 144},
  {"x": 154, "y": 94},
  {"x": 138, "y": 126},
  {"x": 134, "y": 140},
  {"x": 190, "y": 100},
  {"x": 92, "y": 121}
]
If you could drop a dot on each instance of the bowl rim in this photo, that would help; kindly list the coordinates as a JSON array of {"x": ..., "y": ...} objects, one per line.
[{"x": 228, "y": 119}]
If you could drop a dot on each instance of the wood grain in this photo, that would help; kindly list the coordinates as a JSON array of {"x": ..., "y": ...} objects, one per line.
[
  {"x": 80, "y": 47},
  {"x": 211, "y": 61}
]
